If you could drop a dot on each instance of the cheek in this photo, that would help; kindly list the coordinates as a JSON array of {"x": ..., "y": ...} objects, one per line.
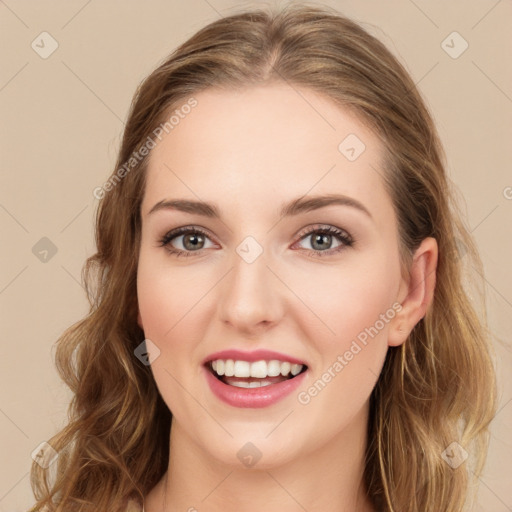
[
  {"x": 165, "y": 297},
  {"x": 176, "y": 306},
  {"x": 343, "y": 300},
  {"x": 354, "y": 305},
  {"x": 169, "y": 303}
]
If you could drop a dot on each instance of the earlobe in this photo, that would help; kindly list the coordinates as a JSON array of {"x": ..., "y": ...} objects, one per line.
[{"x": 416, "y": 294}]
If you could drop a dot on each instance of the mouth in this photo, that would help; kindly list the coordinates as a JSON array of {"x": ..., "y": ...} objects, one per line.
[
  {"x": 255, "y": 379},
  {"x": 255, "y": 374}
]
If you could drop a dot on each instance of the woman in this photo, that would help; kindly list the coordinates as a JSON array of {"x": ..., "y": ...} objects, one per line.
[{"x": 278, "y": 316}]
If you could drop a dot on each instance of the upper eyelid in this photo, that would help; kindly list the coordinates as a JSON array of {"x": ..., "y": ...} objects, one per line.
[{"x": 322, "y": 227}]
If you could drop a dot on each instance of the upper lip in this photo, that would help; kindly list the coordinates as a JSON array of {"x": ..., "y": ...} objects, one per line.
[{"x": 254, "y": 355}]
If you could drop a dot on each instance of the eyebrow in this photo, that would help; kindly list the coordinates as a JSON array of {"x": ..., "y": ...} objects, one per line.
[{"x": 295, "y": 207}]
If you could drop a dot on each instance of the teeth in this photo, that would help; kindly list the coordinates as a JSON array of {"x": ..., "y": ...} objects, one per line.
[
  {"x": 285, "y": 369},
  {"x": 229, "y": 368},
  {"x": 296, "y": 369},
  {"x": 257, "y": 369},
  {"x": 273, "y": 368},
  {"x": 242, "y": 369},
  {"x": 253, "y": 384}
]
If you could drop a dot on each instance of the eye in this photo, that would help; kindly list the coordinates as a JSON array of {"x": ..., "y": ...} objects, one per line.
[
  {"x": 193, "y": 240},
  {"x": 321, "y": 239}
]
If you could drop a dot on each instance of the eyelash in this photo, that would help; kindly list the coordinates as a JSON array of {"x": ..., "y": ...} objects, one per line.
[{"x": 343, "y": 236}]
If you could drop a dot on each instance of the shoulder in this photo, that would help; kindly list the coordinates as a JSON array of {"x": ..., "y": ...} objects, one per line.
[{"x": 133, "y": 506}]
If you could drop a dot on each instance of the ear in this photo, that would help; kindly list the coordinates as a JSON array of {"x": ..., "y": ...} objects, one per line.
[
  {"x": 139, "y": 320},
  {"x": 416, "y": 292}
]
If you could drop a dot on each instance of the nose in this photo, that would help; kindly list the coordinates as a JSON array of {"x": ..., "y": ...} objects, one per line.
[{"x": 250, "y": 298}]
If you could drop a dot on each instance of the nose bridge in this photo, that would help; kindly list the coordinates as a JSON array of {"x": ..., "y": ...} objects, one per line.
[{"x": 250, "y": 296}]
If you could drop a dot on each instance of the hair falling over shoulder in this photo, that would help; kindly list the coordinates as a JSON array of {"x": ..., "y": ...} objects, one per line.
[{"x": 436, "y": 389}]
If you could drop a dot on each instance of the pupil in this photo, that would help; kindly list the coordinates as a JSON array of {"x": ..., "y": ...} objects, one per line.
[
  {"x": 193, "y": 245},
  {"x": 322, "y": 237}
]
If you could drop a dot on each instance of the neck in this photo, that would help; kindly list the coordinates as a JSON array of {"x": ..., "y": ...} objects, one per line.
[{"x": 330, "y": 478}]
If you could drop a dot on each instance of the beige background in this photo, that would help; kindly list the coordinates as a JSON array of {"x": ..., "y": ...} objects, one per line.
[{"x": 62, "y": 118}]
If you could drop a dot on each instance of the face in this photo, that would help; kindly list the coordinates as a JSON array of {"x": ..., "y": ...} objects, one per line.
[{"x": 262, "y": 276}]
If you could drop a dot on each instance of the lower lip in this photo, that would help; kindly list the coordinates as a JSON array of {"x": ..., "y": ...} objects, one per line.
[{"x": 252, "y": 397}]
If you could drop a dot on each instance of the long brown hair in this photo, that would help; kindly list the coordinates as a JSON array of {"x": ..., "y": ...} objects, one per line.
[{"x": 436, "y": 389}]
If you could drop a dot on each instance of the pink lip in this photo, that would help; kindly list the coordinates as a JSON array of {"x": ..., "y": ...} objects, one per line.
[
  {"x": 252, "y": 397},
  {"x": 255, "y": 355}
]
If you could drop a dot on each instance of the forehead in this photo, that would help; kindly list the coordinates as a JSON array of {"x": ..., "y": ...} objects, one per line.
[{"x": 265, "y": 143}]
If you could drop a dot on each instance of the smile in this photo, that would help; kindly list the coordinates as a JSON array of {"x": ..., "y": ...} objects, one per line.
[
  {"x": 245, "y": 374},
  {"x": 253, "y": 383}
]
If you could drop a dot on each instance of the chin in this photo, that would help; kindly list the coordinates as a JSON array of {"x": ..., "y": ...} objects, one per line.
[{"x": 254, "y": 452}]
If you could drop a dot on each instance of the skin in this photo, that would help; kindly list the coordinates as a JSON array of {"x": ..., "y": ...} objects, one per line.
[{"x": 250, "y": 151}]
